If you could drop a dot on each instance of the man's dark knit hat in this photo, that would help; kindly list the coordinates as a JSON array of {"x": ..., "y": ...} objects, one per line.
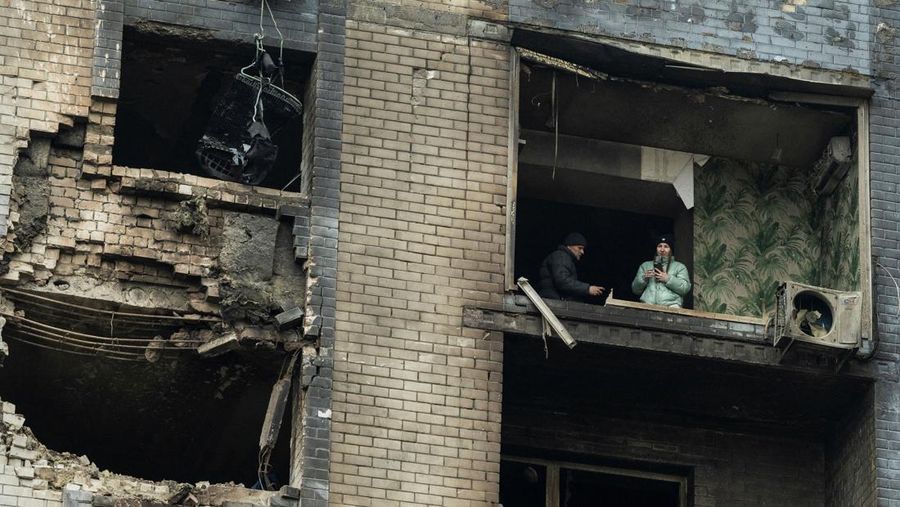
[
  {"x": 575, "y": 238},
  {"x": 667, "y": 239}
]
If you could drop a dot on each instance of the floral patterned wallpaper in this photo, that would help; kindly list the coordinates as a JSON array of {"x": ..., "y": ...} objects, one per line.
[{"x": 756, "y": 225}]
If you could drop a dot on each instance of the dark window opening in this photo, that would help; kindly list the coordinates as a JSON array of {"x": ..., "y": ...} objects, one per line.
[
  {"x": 182, "y": 418},
  {"x": 171, "y": 88},
  {"x": 738, "y": 181},
  {"x": 583, "y": 488},
  {"x": 523, "y": 484},
  {"x": 531, "y": 482}
]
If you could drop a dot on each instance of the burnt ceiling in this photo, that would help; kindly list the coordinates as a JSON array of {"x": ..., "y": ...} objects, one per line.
[
  {"x": 676, "y": 118},
  {"x": 592, "y": 380}
]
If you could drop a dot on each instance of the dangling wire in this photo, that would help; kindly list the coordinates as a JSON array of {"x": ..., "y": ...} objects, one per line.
[
  {"x": 555, "y": 111},
  {"x": 260, "y": 50}
]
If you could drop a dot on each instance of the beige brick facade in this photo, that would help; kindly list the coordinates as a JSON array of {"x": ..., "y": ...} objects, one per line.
[
  {"x": 417, "y": 397},
  {"x": 45, "y": 71}
]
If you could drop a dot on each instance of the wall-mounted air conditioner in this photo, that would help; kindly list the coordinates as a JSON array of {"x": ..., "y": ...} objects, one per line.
[
  {"x": 832, "y": 166},
  {"x": 818, "y": 316}
]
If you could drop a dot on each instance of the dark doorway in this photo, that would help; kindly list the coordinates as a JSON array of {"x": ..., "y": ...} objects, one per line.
[{"x": 618, "y": 241}]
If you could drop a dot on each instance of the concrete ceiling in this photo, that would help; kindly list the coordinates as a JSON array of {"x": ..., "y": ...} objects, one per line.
[{"x": 679, "y": 119}]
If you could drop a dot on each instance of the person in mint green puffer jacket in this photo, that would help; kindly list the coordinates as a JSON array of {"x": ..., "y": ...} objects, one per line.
[{"x": 662, "y": 281}]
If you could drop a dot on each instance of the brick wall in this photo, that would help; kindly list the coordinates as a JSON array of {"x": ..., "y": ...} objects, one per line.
[
  {"x": 728, "y": 468},
  {"x": 45, "y": 72},
  {"x": 124, "y": 228},
  {"x": 423, "y": 181},
  {"x": 885, "y": 184},
  {"x": 827, "y": 34},
  {"x": 850, "y": 458}
]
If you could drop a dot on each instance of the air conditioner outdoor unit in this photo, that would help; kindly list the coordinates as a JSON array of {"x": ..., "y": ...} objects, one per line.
[
  {"x": 818, "y": 316},
  {"x": 832, "y": 166}
]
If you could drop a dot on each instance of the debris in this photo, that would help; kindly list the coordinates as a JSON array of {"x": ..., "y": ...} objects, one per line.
[
  {"x": 275, "y": 413},
  {"x": 219, "y": 346},
  {"x": 546, "y": 312},
  {"x": 154, "y": 349},
  {"x": 192, "y": 217},
  {"x": 290, "y": 318},
  {"x": 810, "y": 322}
]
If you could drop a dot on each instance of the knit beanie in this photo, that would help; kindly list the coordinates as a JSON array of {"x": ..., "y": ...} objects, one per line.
[
  {"x": 667, "y": 239},
  {"x": 575, "y": 238}
]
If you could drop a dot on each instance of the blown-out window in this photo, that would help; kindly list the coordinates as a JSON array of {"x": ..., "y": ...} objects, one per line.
[
  {"x": 757, "y": 186},
  {"x": 196, "y": 108}
]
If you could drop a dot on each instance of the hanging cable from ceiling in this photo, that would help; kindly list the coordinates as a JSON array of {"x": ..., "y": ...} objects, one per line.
[{"x": 237, "y": 144}]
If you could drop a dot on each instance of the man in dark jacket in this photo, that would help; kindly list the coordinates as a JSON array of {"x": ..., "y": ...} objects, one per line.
[{"x": 558, "y": 276}]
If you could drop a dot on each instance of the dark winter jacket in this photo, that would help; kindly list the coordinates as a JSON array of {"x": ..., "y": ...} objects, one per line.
[{"x": 559, "y": 278}]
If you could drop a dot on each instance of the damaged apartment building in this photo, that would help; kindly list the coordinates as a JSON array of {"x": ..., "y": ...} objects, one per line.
[{"x": 280, "y": 253}]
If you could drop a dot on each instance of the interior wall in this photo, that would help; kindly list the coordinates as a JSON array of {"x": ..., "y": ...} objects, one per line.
[
  {"x": 186, "y": 418},
  {"x": 754, "y": 226}
]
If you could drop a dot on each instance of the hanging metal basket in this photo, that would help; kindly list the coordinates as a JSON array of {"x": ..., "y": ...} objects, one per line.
[{"x": 232, "y": 147}]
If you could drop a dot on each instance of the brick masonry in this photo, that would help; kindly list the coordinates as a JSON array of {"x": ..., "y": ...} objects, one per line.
[
  {"x": 321, "y": 175},
  {"x": 885, "y": 179},
  {"x": 45, "y": 72},
  {"x": 850, "y": 458},
  {"x": 417, "y": 397},
  {"x": 830, "y": 34}
]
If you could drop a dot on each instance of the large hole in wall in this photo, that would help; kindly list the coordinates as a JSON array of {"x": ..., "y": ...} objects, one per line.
[
  {"x": 182, "y": 418},
  {"x": 624, "y": 161},
  {"x": 170, "y": 88}
]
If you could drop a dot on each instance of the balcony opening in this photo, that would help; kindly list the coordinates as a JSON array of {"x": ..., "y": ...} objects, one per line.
[
  {"x": 175, "y": 91},
  {"x": 754, "y": 190}
]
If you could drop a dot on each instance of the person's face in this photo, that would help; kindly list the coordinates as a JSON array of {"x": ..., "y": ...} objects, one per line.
[
  {"x": 664, "y": 249},
  {"x": 577, "y": 250}
]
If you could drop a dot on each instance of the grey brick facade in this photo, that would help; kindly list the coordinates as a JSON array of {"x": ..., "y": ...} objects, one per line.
[{"x": 832, "y": 35}]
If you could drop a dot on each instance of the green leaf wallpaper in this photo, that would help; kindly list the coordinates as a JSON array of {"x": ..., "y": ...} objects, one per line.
[
  {"x": 840, "y": 234},
  {"x": 756, "y": 225}
]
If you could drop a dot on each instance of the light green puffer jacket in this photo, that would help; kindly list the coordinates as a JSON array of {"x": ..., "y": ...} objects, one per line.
[{"x": 670, "y": 293}]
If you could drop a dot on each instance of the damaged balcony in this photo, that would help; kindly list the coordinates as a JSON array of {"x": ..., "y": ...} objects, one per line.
[{"x": 761, "y": 189}]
